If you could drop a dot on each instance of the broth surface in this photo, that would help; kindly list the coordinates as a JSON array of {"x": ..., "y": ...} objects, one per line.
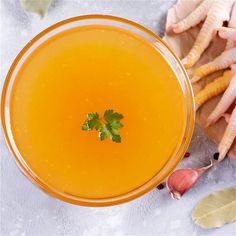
[{"x": 91, "y": 69}]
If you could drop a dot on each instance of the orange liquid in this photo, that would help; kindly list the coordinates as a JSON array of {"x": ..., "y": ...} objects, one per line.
[{"x": 91, "y": 69}]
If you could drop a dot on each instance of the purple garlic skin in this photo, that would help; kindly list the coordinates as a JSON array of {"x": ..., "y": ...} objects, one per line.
[{"x": 180, "y": 181}]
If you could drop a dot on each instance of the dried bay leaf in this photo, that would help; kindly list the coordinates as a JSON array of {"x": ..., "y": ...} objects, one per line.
[
  {"x": 216, "y": 210},
  {"x": 37, "y": 6}
]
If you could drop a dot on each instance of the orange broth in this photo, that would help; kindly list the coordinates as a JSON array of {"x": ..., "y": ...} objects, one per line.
[{"x": 91, "y": 69}]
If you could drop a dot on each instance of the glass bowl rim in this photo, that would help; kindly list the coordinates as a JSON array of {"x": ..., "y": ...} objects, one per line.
[{"x": 135, "y": 193}]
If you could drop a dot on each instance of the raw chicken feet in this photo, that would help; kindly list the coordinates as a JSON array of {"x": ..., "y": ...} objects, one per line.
[
  {"x": 215, "y": 12},
  {"x": 230, "y": 94}
]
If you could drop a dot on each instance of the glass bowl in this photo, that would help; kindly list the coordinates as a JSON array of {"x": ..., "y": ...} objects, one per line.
[{"x": 162, "y": 48}]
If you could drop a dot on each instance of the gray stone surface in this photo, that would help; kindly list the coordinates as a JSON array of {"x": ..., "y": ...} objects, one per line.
[{"x": 25, "y": 210}]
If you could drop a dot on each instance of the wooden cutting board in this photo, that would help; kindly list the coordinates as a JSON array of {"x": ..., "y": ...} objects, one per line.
[{"x": 181, "y": 44}]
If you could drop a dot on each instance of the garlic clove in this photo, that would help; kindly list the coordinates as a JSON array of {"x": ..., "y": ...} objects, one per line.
[{"x": 180, "y": 181}]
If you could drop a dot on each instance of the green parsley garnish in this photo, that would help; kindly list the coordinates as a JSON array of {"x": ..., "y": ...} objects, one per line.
[{"x": 108, "y": 125}]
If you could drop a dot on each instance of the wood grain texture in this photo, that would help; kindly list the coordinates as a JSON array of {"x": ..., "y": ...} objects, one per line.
[{"x": 181, "y": 44}]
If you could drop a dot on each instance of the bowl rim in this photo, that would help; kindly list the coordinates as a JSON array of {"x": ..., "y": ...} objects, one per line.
[{"x": 139, "y": 191}]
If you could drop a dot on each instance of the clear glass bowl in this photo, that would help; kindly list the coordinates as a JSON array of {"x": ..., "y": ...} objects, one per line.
[{"x": 165, "y": 51}]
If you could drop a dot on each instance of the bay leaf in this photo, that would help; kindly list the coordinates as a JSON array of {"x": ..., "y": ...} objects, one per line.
[
  {"x": 37, "y": 6},
  {"x": 216, "y": 210}
]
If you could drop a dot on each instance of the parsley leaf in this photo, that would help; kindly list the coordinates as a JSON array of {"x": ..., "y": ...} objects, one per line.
[
  {"x": 114, "y": 133},
  {"x": 104, "y": 133},
  {"x": 110, "y": 116},
  {"x": 108, "y": 125},
  {"x": 92, "y": 122}
]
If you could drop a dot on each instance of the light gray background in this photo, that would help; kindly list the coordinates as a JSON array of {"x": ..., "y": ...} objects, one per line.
[{"x": 25, "y": 210}]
